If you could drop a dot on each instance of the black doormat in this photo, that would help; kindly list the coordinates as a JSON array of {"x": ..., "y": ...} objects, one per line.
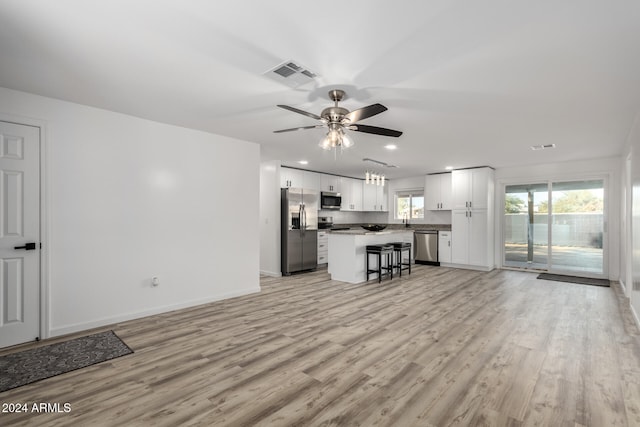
[
  {"x": 574, "y": 279},
  {"x": 26, "y": 367}
]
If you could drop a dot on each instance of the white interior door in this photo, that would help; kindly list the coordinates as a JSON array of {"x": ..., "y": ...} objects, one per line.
[{"x": 19, "y": 233}]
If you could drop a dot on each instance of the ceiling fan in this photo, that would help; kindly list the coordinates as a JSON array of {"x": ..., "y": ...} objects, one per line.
[{"x": 338, "y": 119}]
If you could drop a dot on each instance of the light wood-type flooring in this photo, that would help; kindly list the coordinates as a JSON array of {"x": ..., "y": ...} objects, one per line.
[{"x": 439, "y": 347}]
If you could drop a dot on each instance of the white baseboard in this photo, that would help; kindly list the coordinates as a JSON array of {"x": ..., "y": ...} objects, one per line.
[
  {"x": 78, "y": 327},
  {"x": 635, "y": 315},
  {"x": 622, "y": 285},
  {"x": 467, "y": 267},
  {"x": 271, "y": 273}
]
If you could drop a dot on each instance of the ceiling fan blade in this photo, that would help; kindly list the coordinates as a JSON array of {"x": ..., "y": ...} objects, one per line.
[
  {"x": 304, "y": 113},
  {"x": 300, "y": 128},
  {"x": 365, "y": 112},
  {"x": 375, "y": 130}
]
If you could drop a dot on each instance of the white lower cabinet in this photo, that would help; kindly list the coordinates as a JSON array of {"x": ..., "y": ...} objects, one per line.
[
  {"x": 323, "y": 246},
  {"x": 444, "y": 247},
  {"x": 472, "y": 239}
]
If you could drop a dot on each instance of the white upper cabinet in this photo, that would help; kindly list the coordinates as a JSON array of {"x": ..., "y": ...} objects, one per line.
[
  {"x": 375, "y": 198},
  {"x": 438, "y": 192},
  {"x": 470, "y": 188},
  {"x": 330, "y": 183},
  {"x": 351, "y": 192},
  {"x": 311, "y": 180},
  {"x": 290, "y": 177},
  {"x": 383, "y": 199},
  {"x": 356, "y": 194}
]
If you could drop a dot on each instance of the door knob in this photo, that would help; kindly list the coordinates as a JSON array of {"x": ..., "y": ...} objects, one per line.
[{"x": 28, "y": 246}]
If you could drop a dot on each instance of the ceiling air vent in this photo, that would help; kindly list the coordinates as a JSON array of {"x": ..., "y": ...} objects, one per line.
[
  {"x": 542, "y": 147},
  {"x": 378, "y": 162},
  {"x": 291, "y": 74}
]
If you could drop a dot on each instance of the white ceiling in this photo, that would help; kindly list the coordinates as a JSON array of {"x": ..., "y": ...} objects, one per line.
[{"x": 469, "y": 83}]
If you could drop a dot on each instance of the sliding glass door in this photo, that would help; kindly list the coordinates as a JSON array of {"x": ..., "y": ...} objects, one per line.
[
  {"x": 525, "y": 229},
  {"x": 577, "y": 228},
  {"x": 555, "y": 226}
]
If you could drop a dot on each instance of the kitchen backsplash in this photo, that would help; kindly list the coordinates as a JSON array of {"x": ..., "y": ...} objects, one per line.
[{"x": 340, "y": 217}]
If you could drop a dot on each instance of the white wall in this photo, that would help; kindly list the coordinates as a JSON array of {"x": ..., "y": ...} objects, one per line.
[
  {"x": 632, "y": 218},
  {"x": 270, "y": 218},
  {"x": 607, "y": 168},
  {"x": 128, "y": 199}
]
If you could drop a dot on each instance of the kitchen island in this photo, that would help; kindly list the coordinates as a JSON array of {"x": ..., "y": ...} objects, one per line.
[{"x": 348, "y": 249}]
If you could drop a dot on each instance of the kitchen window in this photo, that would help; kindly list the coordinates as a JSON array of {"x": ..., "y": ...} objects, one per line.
[{"x": 409, "y": 204}]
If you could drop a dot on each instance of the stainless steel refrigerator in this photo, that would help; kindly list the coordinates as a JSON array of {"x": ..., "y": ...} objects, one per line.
[{"x": 299, "y": 241}]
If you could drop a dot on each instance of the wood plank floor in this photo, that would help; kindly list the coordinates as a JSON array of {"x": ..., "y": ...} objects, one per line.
[{"x": 439, "y": 347}]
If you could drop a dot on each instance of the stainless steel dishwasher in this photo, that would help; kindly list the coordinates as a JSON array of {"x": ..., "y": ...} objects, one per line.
[{"x": 425, "y": 243}]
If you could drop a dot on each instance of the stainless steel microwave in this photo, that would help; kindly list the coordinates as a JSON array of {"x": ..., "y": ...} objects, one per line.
[{"x": 330, "y": 200}]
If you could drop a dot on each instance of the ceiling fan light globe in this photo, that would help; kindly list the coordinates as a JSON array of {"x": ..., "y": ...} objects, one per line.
[
  {"x": 347, "y": 141},
  {"x": 334, "y": 137},
  {"x": 325, "y": 143}
]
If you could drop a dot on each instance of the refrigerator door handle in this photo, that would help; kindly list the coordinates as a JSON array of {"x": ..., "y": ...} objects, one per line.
[
  {"x": 304, "y": 213},
  {"x": 301, "y": 219}
]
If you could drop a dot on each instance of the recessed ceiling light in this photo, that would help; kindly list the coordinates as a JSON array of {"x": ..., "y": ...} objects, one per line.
[
  {"x": 303, "y": 162},
  {"x": 449, "y": 168},
  {"x": 391, "y": 146}
]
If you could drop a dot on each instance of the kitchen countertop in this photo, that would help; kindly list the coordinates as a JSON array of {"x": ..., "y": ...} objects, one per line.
[
  {"x": 398, "y": 227},
  {"x": 362, "y": 231}
]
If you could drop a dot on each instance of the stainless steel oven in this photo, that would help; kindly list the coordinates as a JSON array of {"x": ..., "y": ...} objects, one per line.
[{"x": 329, "y": 200}]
